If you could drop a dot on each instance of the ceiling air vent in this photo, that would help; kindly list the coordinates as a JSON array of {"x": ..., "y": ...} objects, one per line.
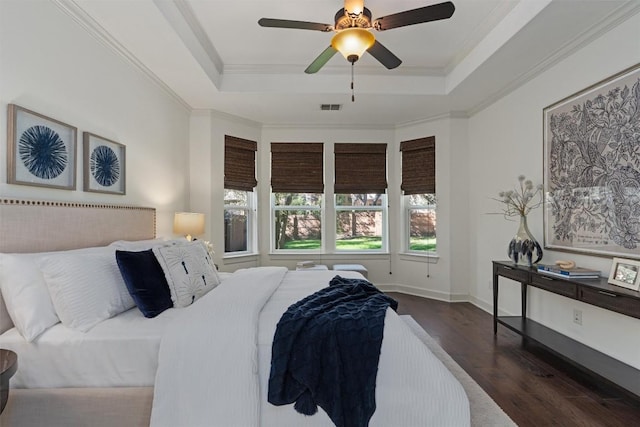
[{"x": 330, "y": 107}]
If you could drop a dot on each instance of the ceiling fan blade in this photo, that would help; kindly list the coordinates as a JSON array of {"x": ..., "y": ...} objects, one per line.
[
  {"x": 384, "y": 55},
  {"x": 322, "y": 59},
  {"x": 300, "y": 25},
  {"x": 434, "y": 12}
]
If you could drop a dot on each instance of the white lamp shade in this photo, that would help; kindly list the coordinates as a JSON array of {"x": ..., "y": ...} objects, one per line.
[{"x": 188, "y": 223}]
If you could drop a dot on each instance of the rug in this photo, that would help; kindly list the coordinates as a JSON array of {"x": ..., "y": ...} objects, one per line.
[{"x": 484, "y": 411}]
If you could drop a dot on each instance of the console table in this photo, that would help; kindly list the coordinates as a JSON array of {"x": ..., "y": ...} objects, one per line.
[{"x": 590, "y": 291}]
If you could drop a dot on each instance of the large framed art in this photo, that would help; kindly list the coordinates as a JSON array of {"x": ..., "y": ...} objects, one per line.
[
  {"x": 592, "y": 169},
  {"x": 41, "y": 151},
  {"x": 104, "y": 165}
]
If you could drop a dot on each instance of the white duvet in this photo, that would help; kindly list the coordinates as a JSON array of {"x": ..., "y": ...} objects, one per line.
[{"x": 214, "y": 362}]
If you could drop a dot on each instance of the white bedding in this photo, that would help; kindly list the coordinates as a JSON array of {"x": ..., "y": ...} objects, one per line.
[
  {"x": 119, "y": 352},
  {"x": 215, "y": 360}
]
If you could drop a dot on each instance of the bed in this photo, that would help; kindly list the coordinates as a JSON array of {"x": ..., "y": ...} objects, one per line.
[{"x": 186, "y": 366}]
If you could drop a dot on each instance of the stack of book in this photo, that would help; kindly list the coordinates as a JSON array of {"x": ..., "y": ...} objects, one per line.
[{"x": 569, "y": 273}]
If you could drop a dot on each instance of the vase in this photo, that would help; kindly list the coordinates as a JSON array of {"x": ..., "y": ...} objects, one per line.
[{"x": 524, "y": 248}]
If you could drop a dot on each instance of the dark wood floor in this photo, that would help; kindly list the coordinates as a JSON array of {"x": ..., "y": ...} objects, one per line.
[{"x": 531, "y": 385}]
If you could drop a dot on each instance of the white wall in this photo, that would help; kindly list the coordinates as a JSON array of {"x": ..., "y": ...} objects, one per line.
[
  {"x": 50, "y": 65},
  {"x": 505, "y": 140},
  {"x": 444, "y": 277},
  {"x": 206, "y": 171}
]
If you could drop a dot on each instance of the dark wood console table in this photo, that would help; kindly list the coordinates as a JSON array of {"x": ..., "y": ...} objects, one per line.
[{"x": 590, "y": 291}]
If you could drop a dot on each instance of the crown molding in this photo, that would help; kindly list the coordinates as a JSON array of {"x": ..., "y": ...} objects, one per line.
[
  {"x": 332, "y": 70},
  {"x": 199, "y": 33},
  {"x": 616, "y": 18},
  {"x": 332, "y": 126},
  {"x": 185, "y": 24},
  {"x": 94, "y": 29},
  {"x": 217, "y": 114},
  {"x": 236, "y": 119},
  {"x": 449, "y": 115}
]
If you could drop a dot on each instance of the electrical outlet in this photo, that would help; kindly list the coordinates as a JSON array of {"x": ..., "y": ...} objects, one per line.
[{"x": 577, "y": 316}]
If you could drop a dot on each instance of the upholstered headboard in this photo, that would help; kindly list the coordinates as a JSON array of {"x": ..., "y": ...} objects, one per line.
[{"x": 43, "y": 226}]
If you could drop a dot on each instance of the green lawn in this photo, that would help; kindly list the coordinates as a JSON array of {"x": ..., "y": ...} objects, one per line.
[
  {"x": 422, "y": 244},
  {"x": 361, "y": 243},
  {"x": 353, "y": 244},
  {"x": 302, "y": 244}
]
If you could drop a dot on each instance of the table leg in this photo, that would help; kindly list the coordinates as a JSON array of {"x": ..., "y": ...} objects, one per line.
[
  {"x": 495, "y": 304},
  {"x": 524, "y": 300}
]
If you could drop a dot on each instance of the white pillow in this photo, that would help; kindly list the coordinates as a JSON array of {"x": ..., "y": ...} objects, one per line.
[
  {"x": 26, "y": 295},
  {"x": 189, "y": 271},
  {"x": 86, "y": 288}
]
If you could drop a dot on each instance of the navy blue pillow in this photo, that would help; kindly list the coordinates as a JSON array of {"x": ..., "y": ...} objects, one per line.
[{"x": 145, "y": 281}]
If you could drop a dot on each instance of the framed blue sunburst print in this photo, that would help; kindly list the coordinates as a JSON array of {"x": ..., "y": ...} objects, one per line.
[
  {"x": 41, "y": 151},
  {"x": 104, "y": 165}
]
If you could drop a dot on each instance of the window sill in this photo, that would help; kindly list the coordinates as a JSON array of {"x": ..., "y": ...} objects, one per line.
[
  {"x": 239, "y": 258},
  {"x": 431, "y": 258},
  {"x": 327, "y": 256}
]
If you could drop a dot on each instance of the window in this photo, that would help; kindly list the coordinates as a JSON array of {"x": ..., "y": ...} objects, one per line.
[
  {"x": 298, "y": 221},
  {"x": 360, "y": 222},
  {"x": 239, "y": 198},
  {"x": 360, "y": 199},
  {"x": 297, "y": 186},
  {"x": 419, "y": 186},
  {"x": 421, "y": 221},
  {"x": 238, "y": 209}
]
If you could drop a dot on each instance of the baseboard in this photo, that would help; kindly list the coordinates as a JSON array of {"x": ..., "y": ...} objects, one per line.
[
  {"x": 421, "y": 292},
  {"x": 441, "y": 296}
]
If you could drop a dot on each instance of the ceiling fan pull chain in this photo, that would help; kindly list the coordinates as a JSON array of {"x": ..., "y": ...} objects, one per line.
[{"x": 353, "y": 96}]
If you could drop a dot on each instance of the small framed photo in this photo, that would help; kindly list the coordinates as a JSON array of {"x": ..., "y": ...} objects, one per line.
[
  {"x": 625, "y": 273},
  {"x": 41, "y": 151},
  {"x": 104, "y": 165}
]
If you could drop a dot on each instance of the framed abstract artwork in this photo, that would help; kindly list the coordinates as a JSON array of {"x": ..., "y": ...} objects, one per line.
[
  {"x": 41, "y": 151},
  {"x": 592, "y": 169},
  {"x": 104, "y": 165}
]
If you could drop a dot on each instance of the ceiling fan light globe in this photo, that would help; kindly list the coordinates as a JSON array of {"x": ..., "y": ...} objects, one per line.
[{"x": 352, "y": 42}]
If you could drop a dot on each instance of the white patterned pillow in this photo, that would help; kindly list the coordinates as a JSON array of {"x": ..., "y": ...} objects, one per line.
[
  {"x": 86, "y": 288},
  {"x": 189, "y": 270}
]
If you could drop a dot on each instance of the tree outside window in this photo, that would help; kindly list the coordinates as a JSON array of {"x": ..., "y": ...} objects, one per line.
[
  {"x": 360, "y": 222},
  {"x": 297, "y": 221}
]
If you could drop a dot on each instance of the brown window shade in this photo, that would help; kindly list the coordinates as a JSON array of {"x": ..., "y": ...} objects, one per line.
[
  {"x": 297, "y": 167},
  {"x": 360, "y": 168},
  {"x": 239, "y": 163},
  {"x": 419, "y": 165}
]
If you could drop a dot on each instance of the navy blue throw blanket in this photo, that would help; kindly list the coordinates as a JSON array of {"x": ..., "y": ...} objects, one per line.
[{"x": 326, "y": 351}]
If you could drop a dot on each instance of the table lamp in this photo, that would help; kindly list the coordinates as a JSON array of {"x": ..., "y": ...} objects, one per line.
[{"x": 188, "y": 224}]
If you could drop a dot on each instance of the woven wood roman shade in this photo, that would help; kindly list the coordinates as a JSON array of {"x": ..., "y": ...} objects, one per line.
[
  {"x": 419, "y": 165},
  {"x": 360, "y": 168},
  {"x": 297, "y": 167},
  {"x": 239, "y": 163}
]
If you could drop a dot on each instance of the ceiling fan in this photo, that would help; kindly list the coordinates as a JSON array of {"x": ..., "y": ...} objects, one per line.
[{"x": 353, "y": 26}]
